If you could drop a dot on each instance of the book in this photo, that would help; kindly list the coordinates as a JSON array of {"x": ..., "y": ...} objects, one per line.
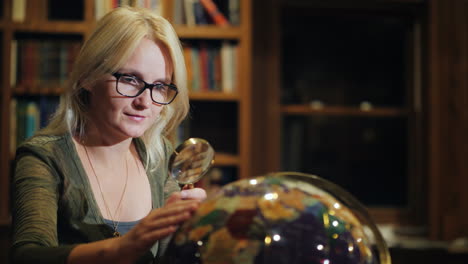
[
  {"x": 204, "y": 68},
  {"x": 189, "y": 12},
  {"x": 223, "y": 7},
  {"x": 99, "y": 9},
  {"x": 18, "y": 10},
  {"x": 13, "y": 63},
  {"x": 31, "y": 119},
  {"x": 196, "y": 72},
  {"x": 211, "y": 67},
  {"x": 228, "y": 66},
  {"x": 213, "y": 11},
  {"x": 179, "y": 13},
  {"x": 234, "y": 12},
  {"x": 13, "y": 121},
  {"x": 64, "y": 60},
  {"x": 47, "y": 107},
  {"x": 188, "y": 65},
  {"x": 20, "y": 121},
  {"x": 199, "y": 13},
  {"x": 217, "y": 74},
  {"x": 42, "y": 64}
]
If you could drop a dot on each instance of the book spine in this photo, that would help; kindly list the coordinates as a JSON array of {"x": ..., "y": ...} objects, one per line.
[
  {"x": 13, "y": 63},
  {"x": 28, "y": 62},
  {"x": 211, "y": 8},
  {"x": 63, "y": 62},
  {"x": 47, "y": 106},
  {"x": 196, "y": 68},
  {"x": 234, "y": 10},
  {"x": 188, "y": 65},
  {"x": 13, "y": 126},
  {"x": 199, "y": 13},
  {"x": 235, "y": 63},
  {"x": 227, "y": 67},
  {"x": 18, "y": 10},
  {"x": 189, "y": 12},
  {"x": 179, "y": 12},
  {"x": 31, "y": 119},
  {"x": 204, "y": 77},
  {"x": 98, "y": 9},
  {"x": 217, "y": 75},
  {"x": 44, "y": 53},
  {"x": 20, "y": 120},
  {"x": 36, "y": 57}
]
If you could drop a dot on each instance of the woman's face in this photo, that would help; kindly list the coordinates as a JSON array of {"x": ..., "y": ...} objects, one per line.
[{"x": 123, "y": 117}]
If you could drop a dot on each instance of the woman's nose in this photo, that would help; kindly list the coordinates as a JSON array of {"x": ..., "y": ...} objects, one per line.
[{"x": 143, "y": 100}]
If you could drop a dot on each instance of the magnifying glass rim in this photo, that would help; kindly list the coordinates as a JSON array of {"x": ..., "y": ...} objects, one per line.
[{"x": 186, "y": 143}]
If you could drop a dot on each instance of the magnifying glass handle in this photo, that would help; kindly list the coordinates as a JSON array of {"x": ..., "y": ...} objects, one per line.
[{"x": 188, "y": 186}]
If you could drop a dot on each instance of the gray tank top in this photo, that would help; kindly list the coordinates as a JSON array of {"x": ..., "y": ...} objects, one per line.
[{"x": 123, "y": 227}]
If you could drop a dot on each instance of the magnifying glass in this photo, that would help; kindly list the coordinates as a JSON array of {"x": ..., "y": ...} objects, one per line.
[{"x": 190, "y": 161}]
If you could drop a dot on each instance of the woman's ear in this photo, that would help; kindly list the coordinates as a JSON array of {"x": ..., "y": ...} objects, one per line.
[{"x": 86, "y": 86}]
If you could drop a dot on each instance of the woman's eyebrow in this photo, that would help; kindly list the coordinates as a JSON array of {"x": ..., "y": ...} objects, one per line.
[{"x": 137, "y": 74}]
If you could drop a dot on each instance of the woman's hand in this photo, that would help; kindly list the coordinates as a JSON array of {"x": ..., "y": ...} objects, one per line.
[{"x": 159, "y": 224}]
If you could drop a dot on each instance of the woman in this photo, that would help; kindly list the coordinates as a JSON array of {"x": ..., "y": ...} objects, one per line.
[{"x": 92, "y": 187}]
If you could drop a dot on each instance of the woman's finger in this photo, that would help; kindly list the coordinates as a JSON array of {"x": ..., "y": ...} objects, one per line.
[
  {"x": 196, "y": 194},
  {"x": 174, "y": 197},
  {"x": 174, "y": 208}
]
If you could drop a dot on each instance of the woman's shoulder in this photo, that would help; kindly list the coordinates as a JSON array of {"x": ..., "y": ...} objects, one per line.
[
  {"x": 44, "y": 144},
  {"x": 43, "y": 140}
]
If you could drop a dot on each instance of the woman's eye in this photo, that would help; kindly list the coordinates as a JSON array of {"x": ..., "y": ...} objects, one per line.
[
  {"x": 129, "y": 80},
  {"x": 160, "y": 87}
]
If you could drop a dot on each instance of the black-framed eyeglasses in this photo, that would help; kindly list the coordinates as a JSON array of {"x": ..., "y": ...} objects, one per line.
[{"x": 132, "y": 86}]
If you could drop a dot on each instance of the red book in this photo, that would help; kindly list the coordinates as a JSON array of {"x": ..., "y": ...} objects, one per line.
[{"x": 214, "y": 12}]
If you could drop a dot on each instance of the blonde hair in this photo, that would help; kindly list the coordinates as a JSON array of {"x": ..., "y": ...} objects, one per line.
[{"x": 113, "y": 41}]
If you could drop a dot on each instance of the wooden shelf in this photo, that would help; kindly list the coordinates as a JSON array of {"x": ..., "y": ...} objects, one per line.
[
  {"x": 343, "y": 111},
  {"x": 225, "y": 159},
  {"x": 213, "y": 96},
  {"x": 38, "y": 90},
  {"x": 208, "y": 32},
  {"x": 52, "y": 27}
]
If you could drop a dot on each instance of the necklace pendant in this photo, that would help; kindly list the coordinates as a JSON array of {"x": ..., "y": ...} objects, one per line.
[{"x": 116, "y": 234}]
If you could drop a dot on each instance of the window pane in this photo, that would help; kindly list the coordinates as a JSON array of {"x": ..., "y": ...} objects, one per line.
[
  {"x": 345, "y": 60},
  {"x": 364, "y": 155}
]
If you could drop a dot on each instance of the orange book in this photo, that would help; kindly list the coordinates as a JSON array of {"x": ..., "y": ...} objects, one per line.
[
  {"x": 188, "y": 65},
  {"x": 214, "y": 12}
]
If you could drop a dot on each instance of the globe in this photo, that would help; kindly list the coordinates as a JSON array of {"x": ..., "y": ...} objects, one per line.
[{"x": 281, "y": 218}]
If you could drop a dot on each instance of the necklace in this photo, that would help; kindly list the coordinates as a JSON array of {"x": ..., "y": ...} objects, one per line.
[{"x": 115, "y": 224}]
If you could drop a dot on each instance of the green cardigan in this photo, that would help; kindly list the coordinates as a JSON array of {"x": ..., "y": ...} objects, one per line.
[{"x": 53, "y": 205}]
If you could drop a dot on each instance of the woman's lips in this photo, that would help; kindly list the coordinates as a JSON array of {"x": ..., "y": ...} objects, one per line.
[{"x": 138, "y": 118}]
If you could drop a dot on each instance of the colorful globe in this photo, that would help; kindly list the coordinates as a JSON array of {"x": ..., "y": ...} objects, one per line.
[{"x": 283, "y": 218}]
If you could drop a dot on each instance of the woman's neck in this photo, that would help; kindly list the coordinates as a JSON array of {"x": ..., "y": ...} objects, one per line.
[{"x": 104, "y": 150}]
